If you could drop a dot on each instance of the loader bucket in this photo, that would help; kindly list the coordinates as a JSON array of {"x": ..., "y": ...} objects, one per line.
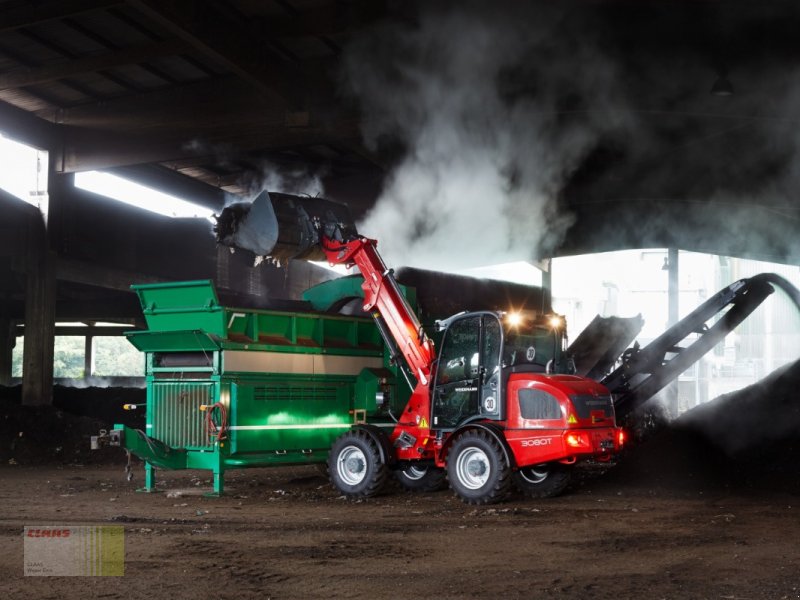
[{"x": 282, "y": 227}]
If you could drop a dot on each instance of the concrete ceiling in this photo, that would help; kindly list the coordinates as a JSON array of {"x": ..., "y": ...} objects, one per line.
[{"x": 226, "y": 93}]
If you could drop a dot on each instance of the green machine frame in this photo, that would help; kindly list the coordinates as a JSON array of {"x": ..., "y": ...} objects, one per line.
[{"x": 234, "y": 388}]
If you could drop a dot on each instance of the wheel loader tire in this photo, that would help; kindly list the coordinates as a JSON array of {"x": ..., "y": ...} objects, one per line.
[
  {"x": 421, "y": 479},
  {"x": 355, "y": 465},
  {"x": 543, "y": 481},
  {"x": 477, "y": 468}
]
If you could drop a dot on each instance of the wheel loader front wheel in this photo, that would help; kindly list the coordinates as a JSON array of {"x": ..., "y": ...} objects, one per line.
[
  {"x": 355, "y": 465},
  {"x": 477, "y": 468}
]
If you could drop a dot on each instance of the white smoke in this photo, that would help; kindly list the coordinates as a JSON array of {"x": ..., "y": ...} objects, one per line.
[
  {"x": 101, "y": 382},
  {"x": 299, "y": 179},
  {"x": 484, "y": 164}
]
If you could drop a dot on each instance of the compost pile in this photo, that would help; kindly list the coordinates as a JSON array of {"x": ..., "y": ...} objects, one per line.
[
  {"x": 60, "y": 434},
  {"x": 748, "y": 439}
]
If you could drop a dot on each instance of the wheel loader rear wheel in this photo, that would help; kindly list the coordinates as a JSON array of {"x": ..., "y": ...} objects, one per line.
[
  {"x": 421, "y": 479},
  {"x": 543, "y": 481},
  {"x": 355, "y": 465},
  {"x": 477, "y": 468}
]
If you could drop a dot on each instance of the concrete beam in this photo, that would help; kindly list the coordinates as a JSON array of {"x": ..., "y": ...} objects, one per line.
[
  {"x": 102, "y": 310},
  {"x": 176, "y": 106},
  {"x": 26, "y": 128},
  {"x": 78, "y": 331},
  {"x": 92, "y": 149},
  {"x": 212, "y": 118},
  {"x": 78, "y": 271}
]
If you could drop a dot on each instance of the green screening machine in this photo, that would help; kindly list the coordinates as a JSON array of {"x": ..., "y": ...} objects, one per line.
[{"x": 232, "y": 388}]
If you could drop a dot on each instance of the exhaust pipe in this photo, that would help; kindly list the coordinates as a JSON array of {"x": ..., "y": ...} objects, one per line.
[{"x": 282, "y": 227}]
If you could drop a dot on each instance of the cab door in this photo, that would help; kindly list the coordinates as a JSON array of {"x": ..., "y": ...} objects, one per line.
[{"x": 468, "y": 377}]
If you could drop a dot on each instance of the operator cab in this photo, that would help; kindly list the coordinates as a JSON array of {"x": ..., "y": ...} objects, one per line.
[{"x": 478, "y": 352}]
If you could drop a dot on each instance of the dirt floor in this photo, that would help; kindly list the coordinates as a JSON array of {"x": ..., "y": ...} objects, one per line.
[
  {"x": 284, "y": 533},
  {"x": 707, "y": 508}
]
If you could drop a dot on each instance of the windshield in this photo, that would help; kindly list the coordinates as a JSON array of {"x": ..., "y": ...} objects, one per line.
[{"x": 529, "y": 346}]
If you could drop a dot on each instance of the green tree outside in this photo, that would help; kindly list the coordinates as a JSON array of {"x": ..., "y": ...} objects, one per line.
[
  {"x": 68, "y": 356},
  {"x": 113, "y": 357}
]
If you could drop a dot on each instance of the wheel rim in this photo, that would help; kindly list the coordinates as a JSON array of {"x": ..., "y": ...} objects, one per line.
[
  {"x": 534, "y": 474},
  {"x": 414, "y": 473},
  {"x": 473, "y": 468},
  {"x": 351, "y": 466}
]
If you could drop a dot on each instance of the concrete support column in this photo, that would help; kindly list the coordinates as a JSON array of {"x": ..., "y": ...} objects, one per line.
[
  {"x": 673, "y": 287},
  {"x": 88, "y": 357},
  {"x": 673, "y": 295},
  {"x": 8, "y": 340},
  {"x": 40, "y": 292},
  {"x": 40, "y": 312}
]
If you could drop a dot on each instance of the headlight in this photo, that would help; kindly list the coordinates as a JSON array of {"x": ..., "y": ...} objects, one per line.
[{"x": 514, "y": 319}]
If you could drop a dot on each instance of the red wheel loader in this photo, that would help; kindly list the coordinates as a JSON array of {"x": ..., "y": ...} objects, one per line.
[{"x": 495, "y": 407}]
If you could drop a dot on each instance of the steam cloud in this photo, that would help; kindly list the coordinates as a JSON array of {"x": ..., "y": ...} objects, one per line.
[
  {"x": 102, "y": 382},
  {"x": 485, "y": 162},
  {"x": 509, "y": 113},
  {"x": 299, "y": 179}
]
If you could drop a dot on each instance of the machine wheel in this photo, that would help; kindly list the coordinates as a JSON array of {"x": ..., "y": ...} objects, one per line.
[
  {"x": 477, "y": 468},
  {"x": 421, "y": 479},
  {"x": 355, "y": 465},
  {"x": 543, "y": 481}
]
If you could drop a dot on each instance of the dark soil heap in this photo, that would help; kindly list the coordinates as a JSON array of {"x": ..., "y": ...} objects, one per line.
[
  {"x": 61, "y": 434},
  {"x": 748, "y": 439}
]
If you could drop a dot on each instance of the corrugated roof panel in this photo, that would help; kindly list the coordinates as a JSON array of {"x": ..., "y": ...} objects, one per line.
[
  {"x": 135, "y": 20},
  {"x": 72, "y": 42},
  {"x": 139, "y": 77},
  {"x": 61, "y": 94},
  {"x": 98, "y": 85},
  {"x": 24, "y": 100},
  {"x": 179, "y": 69},
  {"x": 120, "y": 32},
  {"x": 32, "y": 51},
  {"x": 195, "y": 172}
]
